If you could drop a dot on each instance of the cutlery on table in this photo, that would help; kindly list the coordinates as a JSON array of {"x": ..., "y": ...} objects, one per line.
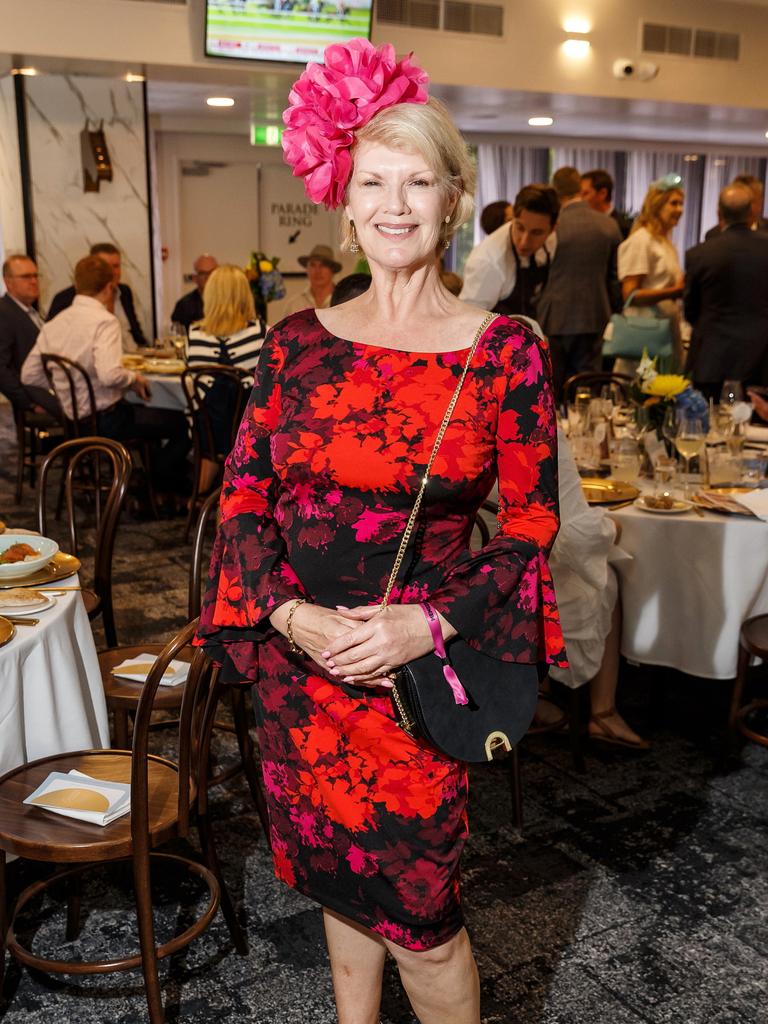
[{"x": 19, "y": 620}]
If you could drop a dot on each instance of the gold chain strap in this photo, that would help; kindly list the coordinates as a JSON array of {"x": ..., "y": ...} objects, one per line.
[{"x": 425, "y": 479}]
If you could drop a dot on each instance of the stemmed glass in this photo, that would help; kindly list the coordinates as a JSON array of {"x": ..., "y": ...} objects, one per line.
[
  {"x": 732, "y": 404},
  {"x": 690, "y": 442},
  {"x": 177, "y": 336}
]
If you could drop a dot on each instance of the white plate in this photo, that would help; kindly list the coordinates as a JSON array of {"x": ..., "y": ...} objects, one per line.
[
  {"x": 17, "y": 570},
  {"x": 28, "y": 608},
  {"x": 679, "y": 506}
]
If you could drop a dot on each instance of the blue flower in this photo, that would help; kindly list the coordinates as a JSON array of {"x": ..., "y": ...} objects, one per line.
[{"x": 693, "y": 404}]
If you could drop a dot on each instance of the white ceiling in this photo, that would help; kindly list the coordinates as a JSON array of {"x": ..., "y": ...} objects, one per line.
[{"x": 180, "y": 105}]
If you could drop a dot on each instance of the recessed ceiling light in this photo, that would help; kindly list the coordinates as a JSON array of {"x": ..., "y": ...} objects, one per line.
[
  {"x": 133, "y": 76},
  {"x": 29, "y": 72},
  {"x": 220, "y": 101},
  {"x": 576, "y": 47},
  {"x": 540, "y": 122},
  {"x": 580, "y": 26},
  {"x": 766, "y": 135}
]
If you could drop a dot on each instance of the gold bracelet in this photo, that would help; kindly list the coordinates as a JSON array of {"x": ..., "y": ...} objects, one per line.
[{"x": 289, "y": 626}]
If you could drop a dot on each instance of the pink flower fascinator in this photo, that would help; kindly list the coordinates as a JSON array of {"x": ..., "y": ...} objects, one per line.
[{"x": 331, "y": 100}]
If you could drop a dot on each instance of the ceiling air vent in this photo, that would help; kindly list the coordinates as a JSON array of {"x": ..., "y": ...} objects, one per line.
[
  {"x": 450, "y": 15},
  {"x": 690, "y": 42}
]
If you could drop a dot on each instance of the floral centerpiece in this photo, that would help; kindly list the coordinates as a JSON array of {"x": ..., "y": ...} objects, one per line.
[
  {"x": 655, "y": 394},
  {"x": 266, "y": 281}
]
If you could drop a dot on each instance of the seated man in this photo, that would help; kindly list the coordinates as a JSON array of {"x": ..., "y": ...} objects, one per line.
[
  {"x": 121, "y": 302},
  {"x": 88, "y": 334},
  {"x": 189, "y": 309},
  {"x": 20, "y": 325}
]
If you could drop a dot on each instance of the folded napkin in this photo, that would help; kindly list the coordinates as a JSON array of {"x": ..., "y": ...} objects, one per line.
[
  {"x": 80, "y": 796},
  {"x": 137, "y": 669},
  {"x": 756, "y": 501},
  {"x": 754, "y": 432}
]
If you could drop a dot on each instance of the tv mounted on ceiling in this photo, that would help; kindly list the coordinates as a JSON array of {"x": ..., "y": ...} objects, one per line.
[{"x": 282, "y": 30}]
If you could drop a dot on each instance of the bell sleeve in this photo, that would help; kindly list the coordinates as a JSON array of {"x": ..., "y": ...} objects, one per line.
[
  {"x": 249, "y": 575},
  {"x": 501, "y": 599}
]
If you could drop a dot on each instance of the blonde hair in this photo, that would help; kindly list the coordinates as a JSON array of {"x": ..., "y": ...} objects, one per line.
[
  {"x": 655, "y": 200},
  {"x": 428, "y": 129},
  {"x": 227, "y": 302}
]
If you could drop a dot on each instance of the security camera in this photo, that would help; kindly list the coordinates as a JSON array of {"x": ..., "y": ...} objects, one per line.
[{"x": 624, "y": 68}]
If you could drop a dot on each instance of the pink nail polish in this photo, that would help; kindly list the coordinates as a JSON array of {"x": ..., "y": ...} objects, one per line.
[
  {"x": 331, "y": 662},
  {"x": 326, "y": 654},
  {"x": 342, "y": 608},
  {"x": 386, "y": 686},
  {"x": 349, "y": 679},
  {"x": 333, "y": 671}
]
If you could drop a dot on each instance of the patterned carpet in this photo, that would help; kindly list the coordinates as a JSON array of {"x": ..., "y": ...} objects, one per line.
[{"x": 637, "y": 891}]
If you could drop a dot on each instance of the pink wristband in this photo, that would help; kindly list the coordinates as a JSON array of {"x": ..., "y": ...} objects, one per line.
[{"x": 459, "y": 693}]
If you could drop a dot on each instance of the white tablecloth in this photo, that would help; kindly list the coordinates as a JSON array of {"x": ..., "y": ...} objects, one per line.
[
  {"x": 51, "y": 696},
  {"x": 167, "y": 393},
  {"x": 691, "y": 583}
]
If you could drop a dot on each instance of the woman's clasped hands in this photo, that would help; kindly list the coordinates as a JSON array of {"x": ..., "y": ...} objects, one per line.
[{"x": 362, "y": 645}]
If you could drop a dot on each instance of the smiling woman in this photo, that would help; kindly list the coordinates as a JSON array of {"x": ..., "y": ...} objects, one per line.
[{"x": 365, "y": 818}]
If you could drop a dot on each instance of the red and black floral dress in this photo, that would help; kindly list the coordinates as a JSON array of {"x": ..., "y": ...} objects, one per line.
[{"x": 317, "y": 491}]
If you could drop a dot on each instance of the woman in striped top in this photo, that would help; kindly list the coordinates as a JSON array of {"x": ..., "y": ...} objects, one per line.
[{"x": 229, "y": 334}]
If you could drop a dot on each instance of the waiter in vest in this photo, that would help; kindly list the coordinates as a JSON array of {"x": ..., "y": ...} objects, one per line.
[{"x": 507, "y": 270}]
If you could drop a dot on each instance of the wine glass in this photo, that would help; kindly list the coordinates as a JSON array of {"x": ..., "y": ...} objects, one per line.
[
  {"x": 176, "y": 338},
  {"x": 731, "y": 393},
  {"x": 689, "y": 441}
]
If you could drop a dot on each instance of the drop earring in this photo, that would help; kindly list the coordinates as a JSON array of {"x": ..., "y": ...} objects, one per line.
[
  {"x": 354, "y": 248},
  {"x": 447, "y": 241}
]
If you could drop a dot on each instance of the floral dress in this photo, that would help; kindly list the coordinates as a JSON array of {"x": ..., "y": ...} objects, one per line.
[{"x": 317, "y": 491}]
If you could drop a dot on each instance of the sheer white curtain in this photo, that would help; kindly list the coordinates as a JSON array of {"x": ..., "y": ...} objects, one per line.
[
  {"x": 502, "y": 170},
  {"x": 584, "y": 159},
  {"x": 720, "y": 169}
]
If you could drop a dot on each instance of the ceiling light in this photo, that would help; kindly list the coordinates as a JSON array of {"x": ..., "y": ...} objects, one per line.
[
  {"x": 577, "y": 24},
  {"x": 132, "y": 76},
  {"x": 220, "y": 101},
  {"x": 576, "y": 47},
  {"x": 29, "y": 72},
  {"x": 540, "y": 122},
  {"x": 691, "y": 157},
  {"x": 721, "y": 163},
  {"x": 766, "y": 135}
]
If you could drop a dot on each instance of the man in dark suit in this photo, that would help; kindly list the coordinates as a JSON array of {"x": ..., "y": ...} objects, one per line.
[
  {"x": 597, "y": 193},
  {"x": 757, "y": 220},
  {"x": 577, "y": 299},
  {"x": 189, "y": 309},
  {"x": 726, "y": 300},
  {"x": 20, "y": 325},
  {"x": 123, "y": 308}
]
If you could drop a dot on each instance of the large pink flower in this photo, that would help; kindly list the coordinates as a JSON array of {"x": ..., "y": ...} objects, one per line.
[{"x": 331, "y": 100}]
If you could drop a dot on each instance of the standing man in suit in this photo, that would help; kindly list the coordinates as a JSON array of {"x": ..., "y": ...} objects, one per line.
[
  {"x": 577, "y": 300},
  {"x": 726, "y": 300},
  {"x": 20, "y": 324},
  {"x": 597, "y": 193},
  {"x": 123, "y": 306},
  {"x": 189, "y": 309}
]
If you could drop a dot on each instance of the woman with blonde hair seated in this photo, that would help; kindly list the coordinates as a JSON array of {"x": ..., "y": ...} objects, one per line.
[{"x": 229, "y": 334}]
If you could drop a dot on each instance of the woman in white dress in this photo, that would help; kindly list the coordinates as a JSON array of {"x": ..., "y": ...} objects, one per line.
[{"x": 648, "y": 262}]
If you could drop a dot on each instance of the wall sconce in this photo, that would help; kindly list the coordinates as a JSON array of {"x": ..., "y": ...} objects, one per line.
[
  {"x": 576, "y": 48},
  {"x": 97, "y": 166}
]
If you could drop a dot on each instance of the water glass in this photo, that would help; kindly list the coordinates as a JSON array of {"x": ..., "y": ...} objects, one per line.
[
  {"x": 664, "y": 475},
  {"x": 753, "y": 468},
  {"x": 586, "y": 452},
  {"x": 625, "y": 459},
  {"x": 722, "y": 467}
]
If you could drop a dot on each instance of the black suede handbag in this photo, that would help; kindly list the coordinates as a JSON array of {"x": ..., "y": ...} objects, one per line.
[{"x": 466, "y": 704}]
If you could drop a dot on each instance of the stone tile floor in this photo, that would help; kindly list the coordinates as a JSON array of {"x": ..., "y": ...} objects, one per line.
[{"x": 636, "y": 892}]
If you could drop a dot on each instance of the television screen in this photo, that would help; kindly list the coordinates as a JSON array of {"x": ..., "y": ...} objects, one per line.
[{"x": 285, "y": 30}]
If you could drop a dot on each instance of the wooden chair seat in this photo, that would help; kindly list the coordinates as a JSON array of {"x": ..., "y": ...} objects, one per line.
[
  {"x": 92, "y": 602},
  {"x": 754, "y": 636},
  {"x": 44, "y": 835},
  {"x": 123, "y": 693}
]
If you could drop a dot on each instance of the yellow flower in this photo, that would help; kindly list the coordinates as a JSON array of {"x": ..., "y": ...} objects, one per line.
[
  {"x": 265, "y": 266},
  {"x": 666, "y": 385}
]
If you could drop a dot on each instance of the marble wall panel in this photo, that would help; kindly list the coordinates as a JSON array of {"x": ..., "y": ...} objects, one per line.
[
  {"x": 67, "y": 219},
  {"x": 11, "y": 211}
]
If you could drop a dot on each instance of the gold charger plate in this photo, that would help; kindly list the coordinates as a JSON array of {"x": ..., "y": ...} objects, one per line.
[
  {"x": 7, "y": 631},
  {"x": 133, "y": 362},
  {"x": 600, "y": 491},
  {"x": 60, "y": 567},
  {"x": 165, "y": 367}
]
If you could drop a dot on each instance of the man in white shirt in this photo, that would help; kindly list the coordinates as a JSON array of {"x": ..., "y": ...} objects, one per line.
[
  {"x": 508, "y": 269},
  {"x": 88, "y": 334}
]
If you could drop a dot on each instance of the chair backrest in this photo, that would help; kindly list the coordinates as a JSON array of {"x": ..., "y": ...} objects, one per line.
[
  {"x": 195, "y": 724},
  {"x": 197, "y": 381},
  {"x": 108, "y": 465},
  {"x": 594, "y": 381},
  {"x": 82, "y": 420},
  {"x": 210, "y": 506}
]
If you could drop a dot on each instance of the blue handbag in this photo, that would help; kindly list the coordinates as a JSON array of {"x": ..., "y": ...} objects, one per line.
[{"x": 634, "y": 334}]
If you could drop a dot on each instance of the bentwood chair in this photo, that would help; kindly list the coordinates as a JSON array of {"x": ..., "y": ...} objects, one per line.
[
  {"x": 122, "y": 695},
  {"x": 108, "y": 464},
  {"x": 594, "y": 381},
  {"x": 216, "y": 395},
  {"x": 753, "y": 643},
  {"x": 167, "y": 797},
  {"x": 32, "y": 429}
]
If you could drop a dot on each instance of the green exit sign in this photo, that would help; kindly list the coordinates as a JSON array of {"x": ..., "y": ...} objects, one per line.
[{"x": 266, "y": 134}]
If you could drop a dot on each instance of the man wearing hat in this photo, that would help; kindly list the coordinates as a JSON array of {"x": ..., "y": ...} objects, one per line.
[{"x": 321, "y": 265}]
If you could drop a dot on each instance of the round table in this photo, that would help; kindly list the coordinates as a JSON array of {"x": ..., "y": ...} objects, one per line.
[
  {"x": 691, "y": 582},
  {"x": 51, "y": 696}
]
